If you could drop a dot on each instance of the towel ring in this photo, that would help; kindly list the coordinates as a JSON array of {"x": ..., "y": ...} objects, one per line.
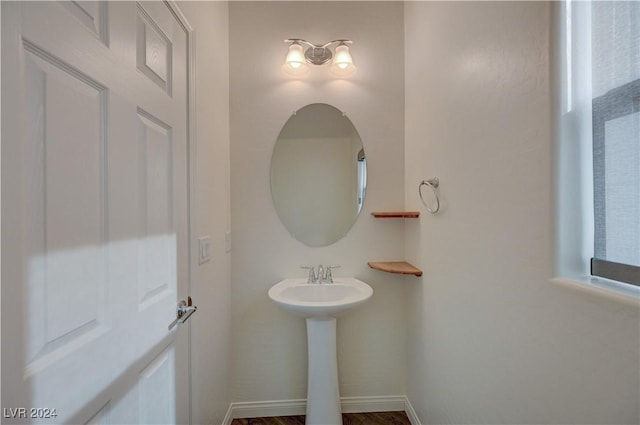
[{"x": 433, "y": 184}]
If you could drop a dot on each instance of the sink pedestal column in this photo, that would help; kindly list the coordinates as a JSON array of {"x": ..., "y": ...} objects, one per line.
[{"x": 323, "y": 393}]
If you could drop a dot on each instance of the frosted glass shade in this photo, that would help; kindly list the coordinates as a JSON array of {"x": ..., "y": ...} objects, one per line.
[
  {"x": 295, "y": 57},
  {"x": 342, "y": 61}
]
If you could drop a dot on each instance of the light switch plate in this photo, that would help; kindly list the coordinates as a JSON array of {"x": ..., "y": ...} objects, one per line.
[
  {"x": 204, "y": 249},
  {"x": 227, "y": 241}
]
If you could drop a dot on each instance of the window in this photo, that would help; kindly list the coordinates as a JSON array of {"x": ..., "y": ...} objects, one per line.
[
  {"x": 599, "y": 129},
  {"x": 615, "y": 70}
]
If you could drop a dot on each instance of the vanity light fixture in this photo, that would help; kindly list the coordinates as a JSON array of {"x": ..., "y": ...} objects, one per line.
[{"x": 298, "y": 58}]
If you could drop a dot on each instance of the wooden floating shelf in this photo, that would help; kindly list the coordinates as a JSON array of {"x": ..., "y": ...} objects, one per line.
[
  {"x": 399, "y": 267},
  {"x": 396, "y": 214}
]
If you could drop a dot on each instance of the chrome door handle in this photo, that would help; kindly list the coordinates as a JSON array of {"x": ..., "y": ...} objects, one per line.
[{"x": 184, "y": 310}]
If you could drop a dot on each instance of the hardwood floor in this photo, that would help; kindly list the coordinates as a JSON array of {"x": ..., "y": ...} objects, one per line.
[{"x": 373, "y": 418}]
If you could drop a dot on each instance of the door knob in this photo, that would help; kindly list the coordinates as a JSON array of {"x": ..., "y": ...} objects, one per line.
[{"x": 184, "y": 310}]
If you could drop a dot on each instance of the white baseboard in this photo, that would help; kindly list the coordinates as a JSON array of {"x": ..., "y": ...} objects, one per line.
[
  {"x": 265, "y": 409},
  {"x": 228, "y": 417},
  {"x": 390, "y": 403},
  {"x": 262, "y": 409},
  {"x": 411, "y": 414}
]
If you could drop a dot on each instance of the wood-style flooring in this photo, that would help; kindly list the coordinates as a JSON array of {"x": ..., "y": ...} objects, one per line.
[{"x": 373, "y": 418}]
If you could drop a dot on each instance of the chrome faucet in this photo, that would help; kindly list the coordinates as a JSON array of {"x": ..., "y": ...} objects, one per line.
[{"x": 323, "y": 276}]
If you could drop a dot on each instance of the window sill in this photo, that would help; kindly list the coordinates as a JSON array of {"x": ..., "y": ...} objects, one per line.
[{"x": 601, "y": 287}]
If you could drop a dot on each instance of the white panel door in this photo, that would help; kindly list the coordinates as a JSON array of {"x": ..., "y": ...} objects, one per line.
[{"x": 94, "y": 213}]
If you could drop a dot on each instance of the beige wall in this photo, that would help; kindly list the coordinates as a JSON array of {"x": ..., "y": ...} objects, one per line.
[
  {"x": 211, "y": 326},
  {"x": 269, "y": 345},
  {"x": 491, "y": 340}
]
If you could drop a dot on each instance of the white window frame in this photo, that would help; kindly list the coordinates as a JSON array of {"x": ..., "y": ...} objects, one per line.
[{"x": 573, "y": 157}]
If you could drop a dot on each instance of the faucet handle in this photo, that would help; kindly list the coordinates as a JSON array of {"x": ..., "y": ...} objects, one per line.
[
  {"x": 312, "y": 275},
  {"x": 328, "y": 277}
]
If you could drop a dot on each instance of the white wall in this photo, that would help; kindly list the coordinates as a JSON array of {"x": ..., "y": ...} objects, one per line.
[
  {"x": 491, "y": 340},
  {"x": 269, "y": 345},
  {"x": 211, "y": 325}
]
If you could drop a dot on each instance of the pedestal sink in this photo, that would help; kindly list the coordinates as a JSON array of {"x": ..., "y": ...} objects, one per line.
[{"x": 320, "y": 304}]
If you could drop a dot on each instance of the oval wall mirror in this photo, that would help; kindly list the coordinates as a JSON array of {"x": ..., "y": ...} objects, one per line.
[{"x": 318, "y": 175}]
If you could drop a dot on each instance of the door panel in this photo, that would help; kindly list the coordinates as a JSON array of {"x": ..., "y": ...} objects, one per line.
[
  {"x": 154, "y": 50},
  {"x": 61, "y": 234},
  {"x": 157, "y": 243},
  {"x": 157, "y": 400},
  {"x": 95, "y": 212},
  {"x": 92, "y": 14}
]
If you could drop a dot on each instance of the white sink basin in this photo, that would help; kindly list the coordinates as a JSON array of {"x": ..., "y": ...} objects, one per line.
[
  {"x": 320, "y": 304},
  {"x": 320, "y": 300}
]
